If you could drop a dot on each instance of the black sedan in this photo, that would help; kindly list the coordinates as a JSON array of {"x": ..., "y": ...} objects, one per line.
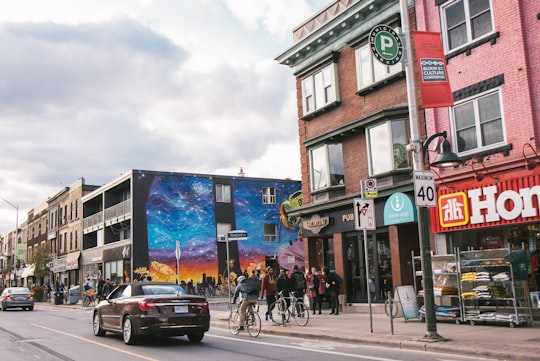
[
  {"x": 16, "y": 297},
  {"x": 152, "y": 309}
]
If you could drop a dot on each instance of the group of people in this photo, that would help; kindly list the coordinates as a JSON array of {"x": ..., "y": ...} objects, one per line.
[{"x": 318, "y": 285}]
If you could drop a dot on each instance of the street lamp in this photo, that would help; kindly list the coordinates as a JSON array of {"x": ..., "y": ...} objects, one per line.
[
  {"x": 445, "y": 159},
  {"x": 16, "y": 241}
]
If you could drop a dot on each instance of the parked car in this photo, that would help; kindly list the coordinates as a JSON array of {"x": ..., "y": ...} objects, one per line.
[
  {"x": 15, "y": 297},
  {"x": 151, "y": 309}
]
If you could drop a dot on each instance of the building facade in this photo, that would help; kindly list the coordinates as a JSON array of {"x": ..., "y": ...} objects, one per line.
[
  {"x": 353, "y": 126},
  {"x": 163, "y": 224}
]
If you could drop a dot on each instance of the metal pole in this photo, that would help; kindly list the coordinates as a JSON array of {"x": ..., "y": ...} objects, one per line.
[
  {"x": 228, "y": 270},
  {"x": 423, "y": 216},
  {"x": 366, "y": 255}
]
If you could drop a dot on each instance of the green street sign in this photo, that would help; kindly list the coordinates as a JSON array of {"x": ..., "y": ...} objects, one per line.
[{"x": 386, "y": 45}]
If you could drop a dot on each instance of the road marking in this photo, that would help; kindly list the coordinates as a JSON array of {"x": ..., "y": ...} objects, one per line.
[
  {"x": 95, "y": 343},
  {"x": 328, "y": 352}
]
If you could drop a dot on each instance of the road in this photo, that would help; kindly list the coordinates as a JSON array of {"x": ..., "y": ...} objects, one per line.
[{"x": 52, "y": 334}]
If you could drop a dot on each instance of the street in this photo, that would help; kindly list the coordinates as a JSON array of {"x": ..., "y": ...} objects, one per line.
[{"x": 54, "y": 333}]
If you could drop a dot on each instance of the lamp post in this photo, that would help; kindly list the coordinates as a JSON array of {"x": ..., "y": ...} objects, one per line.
[
  {"x": 16, "y": 241},
  {"x": 445, "y": 159}
]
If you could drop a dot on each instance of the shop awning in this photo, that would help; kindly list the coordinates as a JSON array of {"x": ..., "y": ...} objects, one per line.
[
  {"x": 28, "y": 271},
  {"x": 72, "y": 260}
]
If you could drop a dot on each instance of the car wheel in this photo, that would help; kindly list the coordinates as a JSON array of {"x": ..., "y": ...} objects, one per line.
[
  {"x": 128, "y": 333},
  {"x": 96, "y": 325},
  {"x": 195, "y": 337}
]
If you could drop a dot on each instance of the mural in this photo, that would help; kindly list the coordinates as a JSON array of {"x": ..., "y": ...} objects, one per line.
[{"x": 181, "y": 208}]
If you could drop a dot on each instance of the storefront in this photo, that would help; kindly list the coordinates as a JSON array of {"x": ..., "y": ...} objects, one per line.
[
  {"x": 503, "y": 213},
  {"x": 117, "y": 264}
]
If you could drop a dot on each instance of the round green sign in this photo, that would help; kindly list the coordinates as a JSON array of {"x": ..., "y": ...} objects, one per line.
[{"x": 386, "y": 45}]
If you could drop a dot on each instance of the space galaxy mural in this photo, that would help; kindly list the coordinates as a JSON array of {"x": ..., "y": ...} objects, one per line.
[{"x": 182, "y": 208}]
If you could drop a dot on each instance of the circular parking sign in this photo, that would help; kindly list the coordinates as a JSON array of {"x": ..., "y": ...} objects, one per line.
[{"x": 386, "y": 45}]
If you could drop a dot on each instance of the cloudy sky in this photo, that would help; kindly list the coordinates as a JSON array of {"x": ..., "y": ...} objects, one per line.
[{"x": 93, "y": 88}]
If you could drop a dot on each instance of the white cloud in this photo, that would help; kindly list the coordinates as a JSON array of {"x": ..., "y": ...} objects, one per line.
[{"x": 92, "y": 88}]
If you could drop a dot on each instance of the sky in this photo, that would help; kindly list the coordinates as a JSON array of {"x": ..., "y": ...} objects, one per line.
[{"x": 94, "y": 88}]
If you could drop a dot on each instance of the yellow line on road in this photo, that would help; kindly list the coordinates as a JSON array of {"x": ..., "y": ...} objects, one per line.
[{"x": 96, "y": 343}]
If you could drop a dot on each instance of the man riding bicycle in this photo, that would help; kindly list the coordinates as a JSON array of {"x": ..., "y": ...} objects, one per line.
[{"x": 248, "y": 298}]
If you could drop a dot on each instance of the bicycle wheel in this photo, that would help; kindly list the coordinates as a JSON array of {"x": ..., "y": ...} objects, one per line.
[
  {"x": 279, "y": 312},
  {"x": 301, "y": 314},
  {"x": 395, "y": 308},
  {"x": 86, "y": 302},
  {"x": 233, "y": 322},
  {"x": 253, "y": 321}
]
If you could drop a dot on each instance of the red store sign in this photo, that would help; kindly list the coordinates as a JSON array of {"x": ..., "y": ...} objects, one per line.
[{"x": 511, "y": 201}]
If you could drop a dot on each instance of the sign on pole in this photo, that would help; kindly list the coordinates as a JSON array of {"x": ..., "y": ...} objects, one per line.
[
  {"x": 424, "y": 189},
  {"x": 386, "y": 45},
  {"x": 237, "y": 235},
  {"x": 364, "y": 214},
  {"x": 369, "y": 188}
]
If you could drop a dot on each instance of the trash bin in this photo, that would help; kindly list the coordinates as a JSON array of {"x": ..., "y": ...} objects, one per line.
[{"x": 73, "y": 295}]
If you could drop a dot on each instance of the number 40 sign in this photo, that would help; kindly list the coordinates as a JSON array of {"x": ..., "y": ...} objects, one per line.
[{"x": 424, "y": 189}]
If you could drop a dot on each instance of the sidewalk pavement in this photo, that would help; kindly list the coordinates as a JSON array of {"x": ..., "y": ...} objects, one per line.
[{"x": 496, "y": 341}]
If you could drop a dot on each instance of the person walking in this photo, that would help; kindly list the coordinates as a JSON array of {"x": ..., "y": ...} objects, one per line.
[
  {"x": 269, "y": 289},
  {"x": 247, "y": 299},
  {"x": 299, "y": 283},
  {"x": 313, "y": 283},
  {"x": 333, "y": 282}
]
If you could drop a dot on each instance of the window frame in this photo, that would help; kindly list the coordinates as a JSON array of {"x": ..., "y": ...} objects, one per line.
[
  {"x": 223, "y": 193},
  {"x": 270, "y": 237},
  {"x": 268, "y": 195},
  {"x": 477, "y": 123},
  {"x": 330, "y": 181},
  {"x": 390, "y": 142},
  {"x": 329, "y": 90},
  {"x": 468, "y": 20}
]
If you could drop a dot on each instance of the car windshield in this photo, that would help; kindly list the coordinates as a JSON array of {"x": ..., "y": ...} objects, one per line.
[
  {"x": 163, "y": 290},
  {"x": 20, "y": 291}
]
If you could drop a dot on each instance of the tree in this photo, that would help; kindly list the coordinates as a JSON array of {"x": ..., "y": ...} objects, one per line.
[{"x": 41, "y": 258}]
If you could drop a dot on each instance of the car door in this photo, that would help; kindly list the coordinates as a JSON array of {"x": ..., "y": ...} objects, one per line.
[{"x": 111, "y": 308}]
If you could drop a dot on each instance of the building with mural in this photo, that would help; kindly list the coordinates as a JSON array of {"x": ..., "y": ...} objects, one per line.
[{"x": 142, "y": 223}]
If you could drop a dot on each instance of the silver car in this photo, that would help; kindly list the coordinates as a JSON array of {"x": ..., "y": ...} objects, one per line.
[{"x": 15, "y": 297}]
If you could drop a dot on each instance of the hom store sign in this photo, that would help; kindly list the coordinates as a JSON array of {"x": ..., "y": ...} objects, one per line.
[{"x": 506, "y": 202}]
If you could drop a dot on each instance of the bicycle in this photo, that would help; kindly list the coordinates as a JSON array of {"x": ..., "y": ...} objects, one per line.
[
  {"x": 89, "y": 298},
  {"x": 253, "y": 320},
  {"x": 286, "y": 306}
]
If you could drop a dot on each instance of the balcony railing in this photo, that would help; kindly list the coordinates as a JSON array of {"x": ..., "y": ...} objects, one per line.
[
  {"x": 93, "y": 223},
  {"x": 118, "y": 213}
]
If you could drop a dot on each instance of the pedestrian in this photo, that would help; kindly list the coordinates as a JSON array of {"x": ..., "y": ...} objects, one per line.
[
  {"x": 299, "y": 283},
  {"x": 333, "y": 282},
  {"x": 247, "y": 299},
  {"x": 107, "y": 288},
  {"x": 60, "y": 293},
  {"x": 313, "y": 283},
  {"x": 269, "y": 289}
]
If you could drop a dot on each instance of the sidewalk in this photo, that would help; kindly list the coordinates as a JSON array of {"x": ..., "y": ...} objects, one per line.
[
  {"x": 491, "y": 341},
  {"x": 498, "y": 341}
]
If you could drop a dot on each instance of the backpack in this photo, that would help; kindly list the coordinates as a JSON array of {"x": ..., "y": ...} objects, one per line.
[
  {"x": 252, "y": 286},
  {"x": 299, "y": 281}
]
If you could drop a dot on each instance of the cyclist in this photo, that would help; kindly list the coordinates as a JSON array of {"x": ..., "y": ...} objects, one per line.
[{"x": 247, "y": 299}]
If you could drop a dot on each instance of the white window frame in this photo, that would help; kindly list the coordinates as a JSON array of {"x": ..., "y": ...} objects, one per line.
[
  {"x": 269, "y": 195},
  {"x": 319, "y": 89},
  {"x": 326, "y": 179},
  {"x": 223, "y": 193},
  {"x": 477, "y": 123},
  {"x": 369, "y": 70},
  {"x": 467, "y": 21},
  {"x": 270, "y": 232},
  {"x": 390, "y": 151}
]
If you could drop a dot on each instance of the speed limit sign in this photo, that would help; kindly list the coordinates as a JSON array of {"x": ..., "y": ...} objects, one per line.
[{"x": 424, "y": 189}]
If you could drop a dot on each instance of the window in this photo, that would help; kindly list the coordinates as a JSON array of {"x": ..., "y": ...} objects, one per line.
[
  {"x": 269, "y": 195},
  {"x": 369, "y": 70},
  {"x": 387, "y": 144},
  {"x": 319, "y": 89},
  {"x": 327, "y": 166},
  {"x": 464, "y": 21},
  {"x": 223, "y": 193},
  {"x": 478, "y": 123},
  {"x": 270, "y": 232}
]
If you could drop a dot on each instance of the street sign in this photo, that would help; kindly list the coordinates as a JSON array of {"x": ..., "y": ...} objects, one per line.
[
  {"x": 237, "y": 235},
  {"x": 386, "y": 45},
  {"x": 369, "y": 188},
  {"x": 424, "y": 189},
  {"x": 364, "y": 214}
]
